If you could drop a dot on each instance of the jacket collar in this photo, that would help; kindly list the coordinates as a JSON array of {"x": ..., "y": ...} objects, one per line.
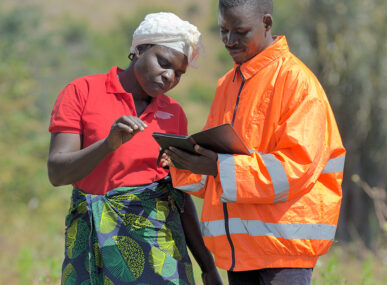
[
  {"x": 113, "y": 86},
  {"x": 271, "y": 53}
]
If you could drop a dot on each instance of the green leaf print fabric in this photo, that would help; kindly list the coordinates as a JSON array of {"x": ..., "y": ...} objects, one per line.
[{"x": 131, "y": 235}]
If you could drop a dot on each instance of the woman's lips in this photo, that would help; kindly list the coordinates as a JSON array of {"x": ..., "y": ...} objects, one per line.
[{"x": 159, "y": 85}]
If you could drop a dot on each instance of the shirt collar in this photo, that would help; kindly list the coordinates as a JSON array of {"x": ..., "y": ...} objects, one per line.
[
  {"x": 271, "y": 53},
  {"x": 113, "y": 86}
]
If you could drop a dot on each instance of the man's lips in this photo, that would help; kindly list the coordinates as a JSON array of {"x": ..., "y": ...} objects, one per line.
[{"x": 234, "y": 51}]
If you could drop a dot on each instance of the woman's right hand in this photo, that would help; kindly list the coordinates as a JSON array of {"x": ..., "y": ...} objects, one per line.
[{"x": 123, "y": 129}]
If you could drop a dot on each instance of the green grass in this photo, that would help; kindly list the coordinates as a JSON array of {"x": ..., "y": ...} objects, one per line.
[{"x": 31, "y": 245}]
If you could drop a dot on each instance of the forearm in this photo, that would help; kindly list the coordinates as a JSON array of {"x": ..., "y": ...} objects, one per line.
[
  {"x": 194, "y": 238},
  {"x": 69, "y": 167}
]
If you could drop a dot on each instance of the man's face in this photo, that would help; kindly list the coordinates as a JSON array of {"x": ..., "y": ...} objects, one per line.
[{"x": 242, "y": 31}]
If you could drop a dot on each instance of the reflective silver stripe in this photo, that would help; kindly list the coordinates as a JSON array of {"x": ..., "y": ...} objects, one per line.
[
  {"x": 227, "y": 177},
  {"x": 259, "y": 228},
  {"x": 213, "y": 228},
  {"x": 278, "y": 177},
  {"x": 334, "y": 165},
  {"x": 193, "y": 187}
]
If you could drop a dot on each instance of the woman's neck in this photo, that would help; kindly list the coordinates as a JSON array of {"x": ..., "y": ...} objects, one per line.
[{"x": 130, "y": 84}]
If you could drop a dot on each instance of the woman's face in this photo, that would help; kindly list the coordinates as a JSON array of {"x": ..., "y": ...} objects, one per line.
[{"x": 159, "y": 69}]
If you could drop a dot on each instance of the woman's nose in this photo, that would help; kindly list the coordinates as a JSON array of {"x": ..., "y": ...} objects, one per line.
[{"x": 168, "y": 76}]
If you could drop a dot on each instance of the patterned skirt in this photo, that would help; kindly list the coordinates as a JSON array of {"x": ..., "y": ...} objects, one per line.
[{"x": 131, "y": 235}]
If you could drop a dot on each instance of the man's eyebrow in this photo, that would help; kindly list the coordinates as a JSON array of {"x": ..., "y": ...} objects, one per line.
[{"x": 242, "y": 27}]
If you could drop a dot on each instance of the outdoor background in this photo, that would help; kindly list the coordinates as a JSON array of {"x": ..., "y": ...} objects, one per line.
[{"x": 45, "y": 44}]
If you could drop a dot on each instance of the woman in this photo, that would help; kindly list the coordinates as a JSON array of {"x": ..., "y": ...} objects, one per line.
[{"x": 126, "y": 222}]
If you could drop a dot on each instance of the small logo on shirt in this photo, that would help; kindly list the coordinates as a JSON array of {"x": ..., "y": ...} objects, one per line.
[{"x": 163, "y": 115}]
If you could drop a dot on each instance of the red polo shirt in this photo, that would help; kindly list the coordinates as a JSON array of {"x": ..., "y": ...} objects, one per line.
[{"x": 89, "y": 105}]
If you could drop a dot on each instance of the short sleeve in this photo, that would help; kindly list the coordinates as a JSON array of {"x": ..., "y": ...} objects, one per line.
[
  {"x": 183, "y": 124},
  {"x": 66, "y": 116}
]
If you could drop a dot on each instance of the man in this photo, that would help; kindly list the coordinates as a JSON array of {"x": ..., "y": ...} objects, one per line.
[{"x": 267, "y": 216}]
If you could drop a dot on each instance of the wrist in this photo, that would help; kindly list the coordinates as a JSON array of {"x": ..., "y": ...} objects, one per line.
[
  {"x": 107, "y": 146},
  {"x": 208, "y": 265},
  {"x": 215, "y": 171},
  {"x": 208, "y": 269}
]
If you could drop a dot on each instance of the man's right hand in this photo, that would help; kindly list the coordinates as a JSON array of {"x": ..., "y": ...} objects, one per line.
[{"x": 124, "y": 129}]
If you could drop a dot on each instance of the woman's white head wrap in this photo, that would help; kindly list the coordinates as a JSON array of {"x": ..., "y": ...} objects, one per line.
[{"x": 168, "y": 30}]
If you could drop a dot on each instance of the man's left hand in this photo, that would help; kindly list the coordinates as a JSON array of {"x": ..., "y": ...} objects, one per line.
[{"x": 203, "y": 163}]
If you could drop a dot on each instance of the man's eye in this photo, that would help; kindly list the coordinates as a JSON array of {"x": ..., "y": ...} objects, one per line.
[{"x": 242, "y": 33}]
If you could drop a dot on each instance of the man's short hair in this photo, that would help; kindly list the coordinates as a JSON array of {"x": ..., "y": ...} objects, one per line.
[{"x": 264, "y": 6}]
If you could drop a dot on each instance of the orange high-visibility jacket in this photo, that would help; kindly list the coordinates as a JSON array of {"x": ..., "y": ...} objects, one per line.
[{"x": 278, "y": 206}]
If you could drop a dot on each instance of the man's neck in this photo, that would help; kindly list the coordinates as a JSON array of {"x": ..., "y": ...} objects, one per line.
[{"x": 269, "y": 42}]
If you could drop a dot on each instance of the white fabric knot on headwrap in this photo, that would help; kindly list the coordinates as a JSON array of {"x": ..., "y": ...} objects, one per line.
[{"x": 168, "y": 30}]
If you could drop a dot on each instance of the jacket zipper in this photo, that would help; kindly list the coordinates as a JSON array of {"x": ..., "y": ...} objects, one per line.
[
  {"x": 238, "y": 69},
  {"x": 225, "y": 211}
]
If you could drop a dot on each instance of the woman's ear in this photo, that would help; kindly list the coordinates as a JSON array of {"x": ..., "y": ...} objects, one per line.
[{"x": 131, "y": 56}]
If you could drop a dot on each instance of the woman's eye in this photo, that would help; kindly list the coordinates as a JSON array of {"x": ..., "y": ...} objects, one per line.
[{"x": 162, "y": 62}]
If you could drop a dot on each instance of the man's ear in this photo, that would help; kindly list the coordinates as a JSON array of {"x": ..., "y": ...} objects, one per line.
[{"x": 268, "y": 21}]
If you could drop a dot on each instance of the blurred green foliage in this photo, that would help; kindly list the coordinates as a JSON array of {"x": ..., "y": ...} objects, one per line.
[
  {"x": 201, "y": 92},
  {"x": 20, "y": 145},
  {"x": 343, "y": 42},
  {"x": 224, "y": 58}
]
